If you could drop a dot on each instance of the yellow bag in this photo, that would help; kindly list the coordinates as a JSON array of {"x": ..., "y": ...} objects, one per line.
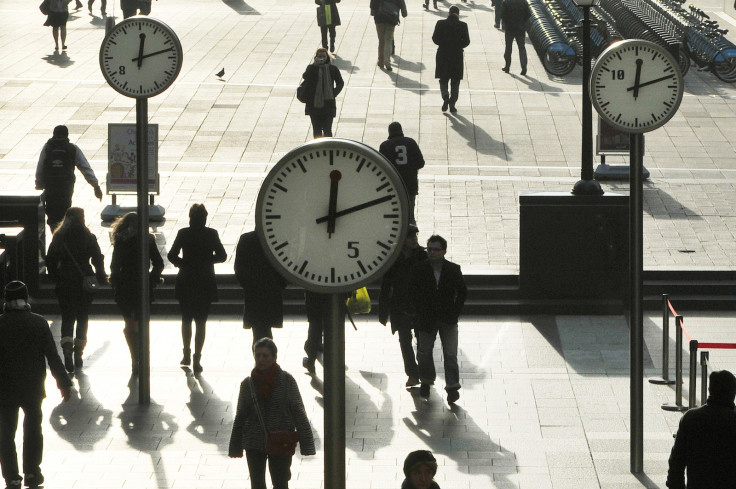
[{"x": 359, "y": 302}]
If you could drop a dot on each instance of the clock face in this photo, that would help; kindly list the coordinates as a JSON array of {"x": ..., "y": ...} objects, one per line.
[
  {"x": 636, "y": 86},
  {"x": 141, "y": 57},
  {"x": 332, "y": 215}
]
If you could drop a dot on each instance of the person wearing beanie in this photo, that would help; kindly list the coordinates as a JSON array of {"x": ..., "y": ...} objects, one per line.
[
  {"x": 404, "y": 154},
  {"x": 26, "y": 344},
  {"x": 705, "y": 443},
  {"x": 451, "y": 37},
  {"x": 420, "y": 468},
  {"x": 55, "y": 175}
]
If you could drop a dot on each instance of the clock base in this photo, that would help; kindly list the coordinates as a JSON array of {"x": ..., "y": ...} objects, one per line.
[
  {"x": 587, "y": 187},
  {"x": 616, "y": 172}
]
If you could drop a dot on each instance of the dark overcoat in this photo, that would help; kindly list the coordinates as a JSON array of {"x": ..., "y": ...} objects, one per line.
[
  {"x": 310, "y": 81},
  {"x": 451, "y": 36},
  {"x": 200, "y": 249}
]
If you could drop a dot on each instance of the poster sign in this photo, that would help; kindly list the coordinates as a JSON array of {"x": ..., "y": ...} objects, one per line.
[
  {"x": 611, "y": 141},
  {"x": 122, "y": 155}
]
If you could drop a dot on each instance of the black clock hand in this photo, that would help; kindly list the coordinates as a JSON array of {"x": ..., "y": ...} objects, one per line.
[
  {"x": 358, "y": 207},
  {"x": 140, "y": 50},
  {"x": 335, "y": 177},
  {"x": 637, "y": 78},
  {"x": 651, "y": 82},
  {"x": 141, "y": 56}
]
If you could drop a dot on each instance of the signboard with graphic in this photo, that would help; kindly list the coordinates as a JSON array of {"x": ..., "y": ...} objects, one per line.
[{"x": 121, "y": 158}]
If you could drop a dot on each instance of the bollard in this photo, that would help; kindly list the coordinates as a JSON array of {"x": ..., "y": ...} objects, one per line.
[
  {"x": 664, "y": 379},
  {"x": 703, "y": 377},
  {"x": 691, "y": 400},
  {"x": 677, "y": 406}
]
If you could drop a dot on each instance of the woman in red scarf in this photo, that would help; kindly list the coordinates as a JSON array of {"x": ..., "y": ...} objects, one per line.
[{"x": 269, "y": 402}]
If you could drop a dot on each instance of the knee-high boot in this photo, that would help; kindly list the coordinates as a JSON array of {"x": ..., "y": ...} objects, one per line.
[
  {"x": 67, "y": 347},
  {"x": 132, "y": 338},
  {"x": 78, "y": 350}
]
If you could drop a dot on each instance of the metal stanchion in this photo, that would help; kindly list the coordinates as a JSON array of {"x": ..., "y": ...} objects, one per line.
[
  {"x": 677, "y": 406},
  {"x": 691, "y": 400},
  {"x": 703, "y": 377},
  {"x": 664, "y": 379}
]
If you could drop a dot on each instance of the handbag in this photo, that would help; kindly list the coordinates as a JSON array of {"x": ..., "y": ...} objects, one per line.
[
  {"x": 44, "y": 7},
  {"x": 388, "y": 12},
  {"x": 324, "y": 15},
  {"x": 278, "y": 442},
  {"x": 301, "y": 92},
  {"x": 359, "y": 302},
  {"x": 89, "y": 282}
]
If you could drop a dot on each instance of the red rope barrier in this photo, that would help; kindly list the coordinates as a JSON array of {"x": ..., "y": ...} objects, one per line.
[
  {"x": 672, "y": 308},
  {"x": 717, "y": 346},
  {"x": 682, "y": 326}
]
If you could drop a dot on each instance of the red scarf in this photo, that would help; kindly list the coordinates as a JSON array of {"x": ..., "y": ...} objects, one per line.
[{"x": 265, "y": 380}]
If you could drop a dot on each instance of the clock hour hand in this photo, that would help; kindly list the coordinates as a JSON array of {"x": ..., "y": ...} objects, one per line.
[
  {"x": 140, "y": 50},
  {"x": 637, "y": 78},
  {"x": 141, "y": 55},
  {"x": 651, "y": 82},
  {"x": 335, "y": 177},
  {"x": 358, "y": 207}
]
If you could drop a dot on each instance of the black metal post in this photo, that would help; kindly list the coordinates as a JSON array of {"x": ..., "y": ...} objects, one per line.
[
  {"x": 636, "y": 321},
  {"x": 664, "y": 379},
  {"x": 587, "y": 185},
  {"x": 334, "y": 392},
  {"x": 703, "y": 377},
  {"x": 144, "y": 368},
  {"x": 677, "y": 406},
  {"x": 692, "y": 386}
]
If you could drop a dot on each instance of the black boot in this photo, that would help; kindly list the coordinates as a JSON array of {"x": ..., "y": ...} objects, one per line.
[
  {"x": 78, "y": 350},
  {"x": 67, "y": 347},
  {"x": 187, "y": 358},
  {"x": 197, "y": 366},
  {"x": 332, "y": 45}
]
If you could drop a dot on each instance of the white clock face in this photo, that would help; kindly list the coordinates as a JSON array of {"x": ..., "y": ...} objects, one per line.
[
  {"x": 636, "y": 86},
  {"x": 141, "y": 57},
  {"x": 332, "y": 215}
]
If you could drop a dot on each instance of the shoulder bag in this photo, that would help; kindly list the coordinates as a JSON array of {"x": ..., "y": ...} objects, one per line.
[
  {"x": 89, "y": 282},
  {"x": 44, "y": 7},
  {"x": 389, "y": 12},
  {"x": 280, "y": 442}
]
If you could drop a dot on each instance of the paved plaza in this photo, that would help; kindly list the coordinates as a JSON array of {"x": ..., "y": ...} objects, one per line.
[{"x": 545, "y": 398}]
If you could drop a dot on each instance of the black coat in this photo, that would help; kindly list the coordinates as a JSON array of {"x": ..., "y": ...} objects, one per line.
[
  {"x": 200, "y": 249},
  {"x": 124, "y": 270},
  {"x": 451, "y": 36},
  {"x": 82, "y": 245},
  {"x": 514, "y": 14},
  {"x": 333, "y": 10},
  {"x": 263, "y": 286},
  {"x": 310, "y": 82},
  {"x": 395, "y": 286},
  {"x": 437, "y": 302}
]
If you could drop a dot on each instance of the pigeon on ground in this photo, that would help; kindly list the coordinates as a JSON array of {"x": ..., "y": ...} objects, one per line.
[{"x": 220, "y": 73}]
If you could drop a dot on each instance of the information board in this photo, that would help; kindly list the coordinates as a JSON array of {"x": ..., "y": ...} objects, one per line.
[
  {"x": 122, "y": 159},
  {"x": 610, "y": 140}
]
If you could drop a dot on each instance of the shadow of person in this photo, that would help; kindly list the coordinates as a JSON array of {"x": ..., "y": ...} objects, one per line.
[
  {"x": 98, "y": 21},
  {"x": 241, "y": 7},
  {"x": 61, "y": 60},
  {"x": 82, "y": 421},
  {"x": 476, "y": 6},
  {"x": 405, "y": 83},
  {"x": 211, "y": 416},
  {"x": 477, "y": 138},
  {"x": 370, "y": 412},
  {"x": 344, "y": 64},
  {"x": 149, "y": 429},
  {"x": 405, "y": 64}
]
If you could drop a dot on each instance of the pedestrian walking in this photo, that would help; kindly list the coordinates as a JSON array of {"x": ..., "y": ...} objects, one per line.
[
  {"x": 328, "y": 18},
  {"x": 68, "y": 263},
  {"x": 386, "y": 16},
  {"x": 135, "y": 7},
  {"x": 57, "y": 17},
  {"x": 263, "y": 288},
  {"x": 196, "y": 285},
  {"x": 420, "y": 468},
  {"x": 269, "y": 407},
  {"x": 451, "y": 37},
  {"x": 323, "y": 82},
  {"x": 394, "y": 302},
  {"x": 514, "y": 14},
  {"x": 55, "y": 175},
  {"x": 705, "y": 440},
  {"x": 496, "y": 13},
  {"x": 404, "y": 153},
  {"x": 103, "y": 7},
  {"x": 26, "y": 344},
  {"x": 438, "y": 291},
  {"x": 317, "y": 317},
  {"x": 126, "y": 279}
]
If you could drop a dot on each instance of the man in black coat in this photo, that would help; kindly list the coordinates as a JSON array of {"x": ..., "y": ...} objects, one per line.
[
  {"x": 394, "y": 302},
  {"x": 263, "y": 288},
  {"x": 26, "y": 344},
  {"x": 404, "y": 153},
  {"x": 704, "y": 443},
  {"x": 438, "y": 292},
  {"x": 451, "y": 36},
  {"x": 514, "y": 14}
]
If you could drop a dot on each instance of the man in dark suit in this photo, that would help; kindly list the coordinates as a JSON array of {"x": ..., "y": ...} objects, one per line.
[
  {"x": 451, "y": 37},
  {"x": 263, "y": 288},
  {"x": 514, "y": 14},
  {"x": 438, "y": 292}
]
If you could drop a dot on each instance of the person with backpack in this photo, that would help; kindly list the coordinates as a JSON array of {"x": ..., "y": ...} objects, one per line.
[
  {"x": 386, "y": 15},
  {"x": 55, "y": 175}
]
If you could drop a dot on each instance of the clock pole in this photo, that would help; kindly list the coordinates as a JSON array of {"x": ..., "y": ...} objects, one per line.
[
  {"x": 144, "y": 370},
  {"x": 335, "y": 394}
]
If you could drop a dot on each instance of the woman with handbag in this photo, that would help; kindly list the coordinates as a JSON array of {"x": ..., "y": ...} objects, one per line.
[
  {"x": 196, "y": 286},
  {"x": 327, "y": 18},
  {"x": 322, "y": 82},
  {"x": 125, "y": 276},
  {"x": 68, "y": 265},
  {"x": 269, "y": 409}
]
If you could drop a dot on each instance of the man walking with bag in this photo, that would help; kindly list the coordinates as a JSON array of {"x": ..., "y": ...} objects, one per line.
[{"x": 386, "y": 15}]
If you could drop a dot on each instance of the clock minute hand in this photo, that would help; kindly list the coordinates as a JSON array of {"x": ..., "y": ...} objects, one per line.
[
  {"x": 358, "y": 207},
  {"x": 140, "y": 50},
  {"x": 141, "y": 55},
  {"x": 335, "y": 177},
  {"x": 651, "y": 82}
]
